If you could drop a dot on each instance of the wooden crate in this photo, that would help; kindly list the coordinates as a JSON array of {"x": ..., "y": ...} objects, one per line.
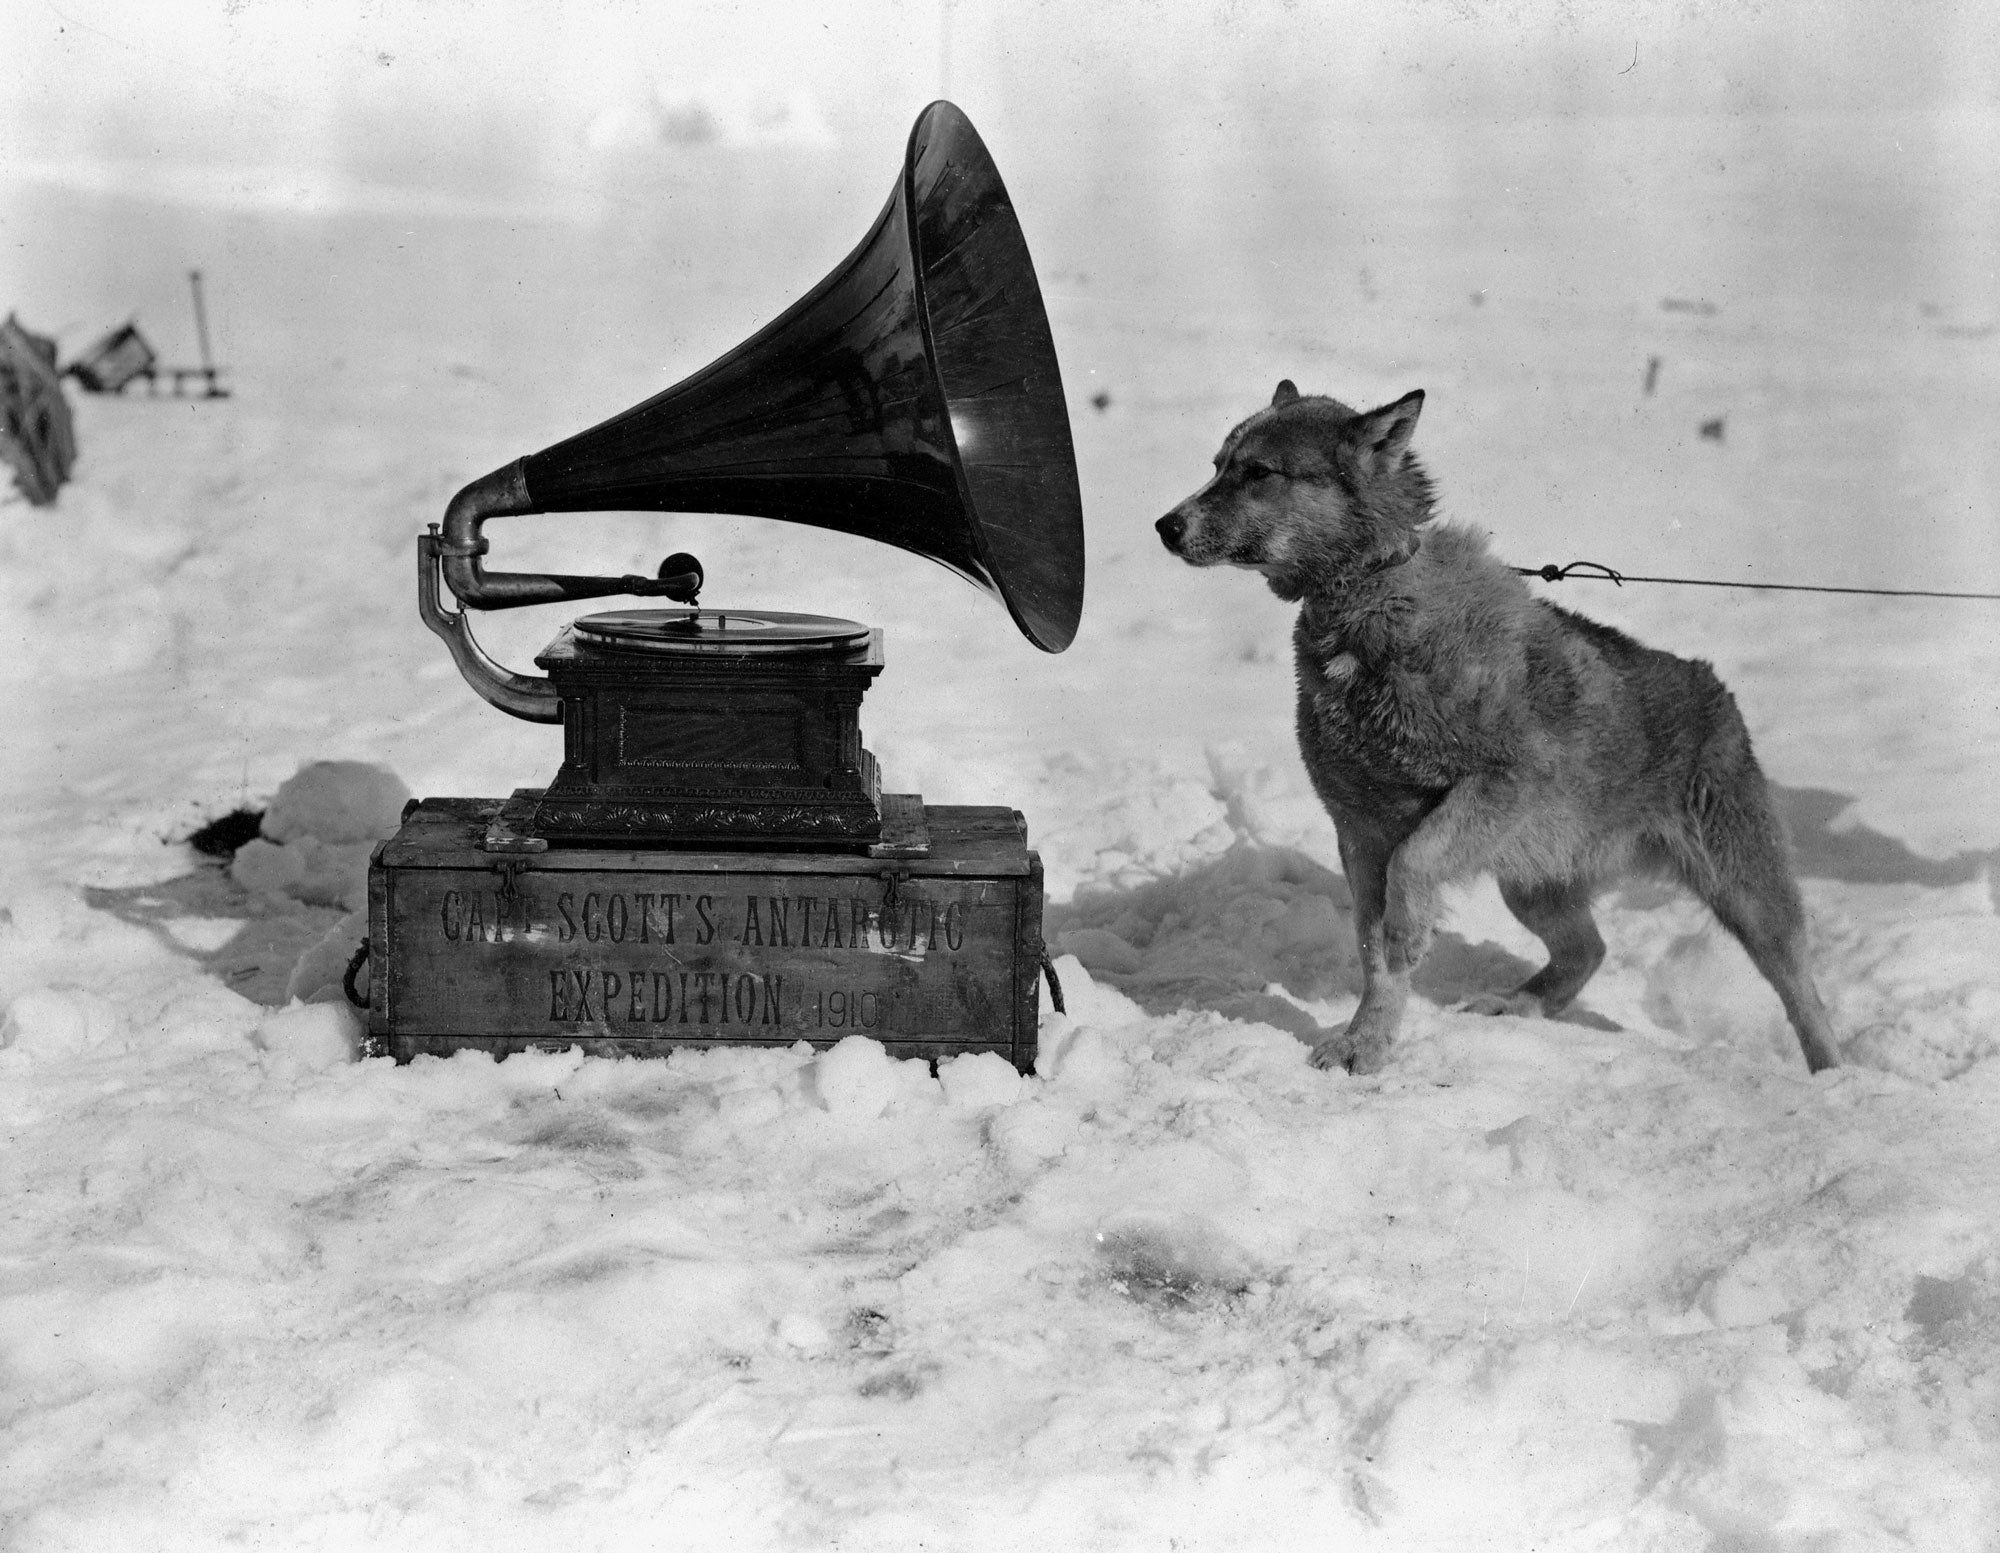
[{"x": 639, "y": 952}]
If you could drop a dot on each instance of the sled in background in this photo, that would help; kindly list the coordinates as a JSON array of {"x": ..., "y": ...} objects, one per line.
[{"x": 125, "y": 356}]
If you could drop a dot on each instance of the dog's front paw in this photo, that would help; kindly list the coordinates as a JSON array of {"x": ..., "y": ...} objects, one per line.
[
  {"x": 1521, "y": 1005},
  {"x": 1359, "y": 1055}
]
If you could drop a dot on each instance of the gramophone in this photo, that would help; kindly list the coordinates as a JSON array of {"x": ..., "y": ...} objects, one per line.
[{"x": 714, "y": 861}]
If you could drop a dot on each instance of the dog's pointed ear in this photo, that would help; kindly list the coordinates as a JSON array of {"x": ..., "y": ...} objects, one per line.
[
  {"x": 1288, "y": 392},
  {"x": 1382, "y": 437}
]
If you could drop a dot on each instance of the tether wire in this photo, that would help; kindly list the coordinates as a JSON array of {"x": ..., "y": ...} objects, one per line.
[{"x": 1603, "y": 573}]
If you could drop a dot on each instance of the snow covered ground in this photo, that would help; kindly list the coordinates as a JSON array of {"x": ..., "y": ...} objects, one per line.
[{"x": 1629, "y": 1280}]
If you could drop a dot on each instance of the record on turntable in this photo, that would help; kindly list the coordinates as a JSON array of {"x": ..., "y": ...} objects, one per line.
[{"x": 719, "y": 631}]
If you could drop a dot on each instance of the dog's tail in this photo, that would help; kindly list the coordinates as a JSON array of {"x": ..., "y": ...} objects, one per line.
[{"x": 1743, "y": 871}]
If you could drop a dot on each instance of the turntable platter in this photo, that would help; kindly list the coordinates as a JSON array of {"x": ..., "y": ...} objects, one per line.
[{"x": 677, "y": 631}]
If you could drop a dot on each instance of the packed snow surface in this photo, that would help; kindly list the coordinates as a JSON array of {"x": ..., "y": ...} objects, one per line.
[{"x": 1628, "y": 1280}]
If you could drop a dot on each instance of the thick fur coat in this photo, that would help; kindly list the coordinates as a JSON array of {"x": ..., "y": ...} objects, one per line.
[{"x": 1455, "y": 724}]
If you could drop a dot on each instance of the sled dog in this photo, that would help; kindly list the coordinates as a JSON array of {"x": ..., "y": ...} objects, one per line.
[{"x": 1454, "y": 724}]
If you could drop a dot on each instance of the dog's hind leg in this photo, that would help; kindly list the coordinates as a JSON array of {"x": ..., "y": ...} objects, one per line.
[
  {"x": 1744, "y": 876},
  {"x": 1558, "y": 913}
]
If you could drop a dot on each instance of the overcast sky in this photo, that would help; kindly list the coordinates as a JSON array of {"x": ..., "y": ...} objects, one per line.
[{"x": 247, "y": 100}]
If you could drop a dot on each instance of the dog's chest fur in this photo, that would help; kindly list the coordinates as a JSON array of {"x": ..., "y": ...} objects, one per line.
[
  {"x": 1390, "y": 687},
  {"x": 1363, "y": 714}
]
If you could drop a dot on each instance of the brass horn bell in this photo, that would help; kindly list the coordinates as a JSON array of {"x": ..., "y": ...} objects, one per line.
[{"x": 911, "y": 397}]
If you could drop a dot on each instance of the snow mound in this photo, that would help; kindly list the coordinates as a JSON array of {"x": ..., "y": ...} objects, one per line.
[
  {"x": 319, "y": 832},
  {"x": 975, "y": 1081},
  {"x": 337, "y": 801},
  {"x": 54, "y": 1023},
  {"x": 857, "y": 1080},
  {"x": 316, "y": 1036}
]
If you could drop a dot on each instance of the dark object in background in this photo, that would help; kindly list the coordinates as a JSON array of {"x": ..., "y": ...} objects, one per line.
[
  {"x": 36, "y": 434},
  {"x": 114, "y": 361},
  {"x": 1652, "y": 374},
  {"x": 221, "y": 837},
  {"x": 125, "y": 356},
  {"x": 1712, "y": 430}
]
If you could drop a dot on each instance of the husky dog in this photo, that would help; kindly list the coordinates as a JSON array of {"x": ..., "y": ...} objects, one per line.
[{"x": 1453, "y": 724}]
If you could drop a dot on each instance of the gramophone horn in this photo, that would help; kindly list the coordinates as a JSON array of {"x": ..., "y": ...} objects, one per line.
[{"x": 911, "y": 397}]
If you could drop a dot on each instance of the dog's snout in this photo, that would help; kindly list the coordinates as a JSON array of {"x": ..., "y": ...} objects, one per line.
[{"x": 1171, "y": 528}]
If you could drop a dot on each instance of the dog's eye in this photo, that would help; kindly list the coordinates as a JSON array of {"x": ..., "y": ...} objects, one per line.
[{"x": 1258, "y": 471}]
